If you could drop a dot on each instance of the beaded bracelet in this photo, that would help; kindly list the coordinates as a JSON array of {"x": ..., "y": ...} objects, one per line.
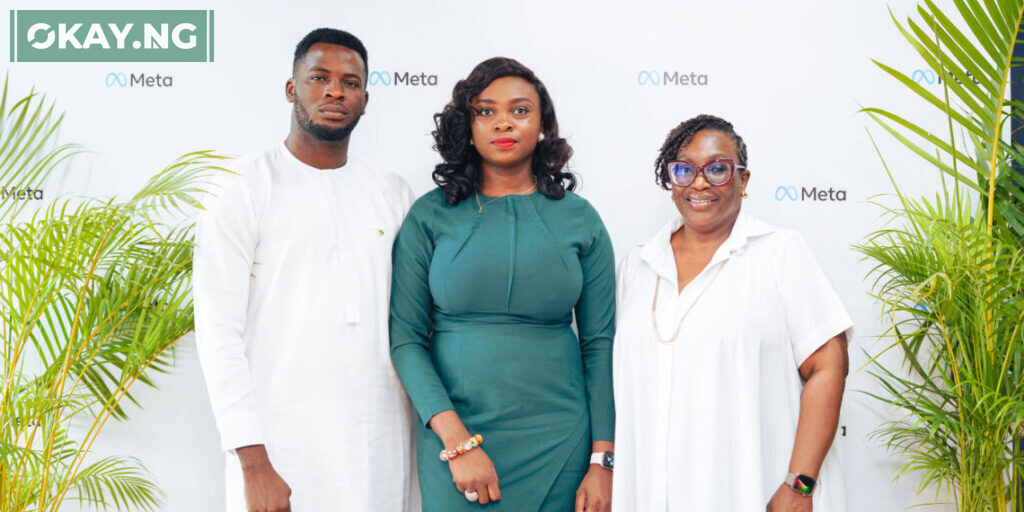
[{"x": 471, "y": 443}]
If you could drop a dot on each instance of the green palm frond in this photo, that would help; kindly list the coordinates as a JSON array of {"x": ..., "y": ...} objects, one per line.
[
  {"x": 949, "y": 269},
  {"x": 972, "y": 57},
  {"x": 177, "y": 187},
  {"x": 27, "y": 152},
  {"x": 118, "y": 483},
  {"x": 93, "y": 295}
]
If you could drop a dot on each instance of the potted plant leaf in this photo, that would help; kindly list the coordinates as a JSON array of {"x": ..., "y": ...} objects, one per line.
[
  {"x": 94, "y": 293},
  {"x": 949, "y": 269}
]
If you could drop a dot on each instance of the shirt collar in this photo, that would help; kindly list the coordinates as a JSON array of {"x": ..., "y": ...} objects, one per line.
[{"x": 657, "y": 252}]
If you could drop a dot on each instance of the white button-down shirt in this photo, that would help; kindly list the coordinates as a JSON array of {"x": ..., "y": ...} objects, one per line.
[
  {"x": 292, "y": 280},
  {"x": 706, "y": 422}
]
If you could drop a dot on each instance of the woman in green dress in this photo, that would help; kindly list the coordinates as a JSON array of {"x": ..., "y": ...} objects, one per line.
[{"x": 489, "y": 269}]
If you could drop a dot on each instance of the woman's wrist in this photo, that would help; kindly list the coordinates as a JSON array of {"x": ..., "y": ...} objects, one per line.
[
  {"x": 453, "y": 440},
  {"x": 449, "y": 428},
  {"x": 464, "y": 447},
  {"x": 808, "y": 469}
]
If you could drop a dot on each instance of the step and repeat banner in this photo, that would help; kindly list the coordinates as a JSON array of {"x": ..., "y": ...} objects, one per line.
[{"x": 140, "y": 87}]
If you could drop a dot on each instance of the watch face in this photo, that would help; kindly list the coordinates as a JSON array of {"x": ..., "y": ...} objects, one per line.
[
  {"x": 803, "y": 484},
  {"x": 609, "y": 460}
]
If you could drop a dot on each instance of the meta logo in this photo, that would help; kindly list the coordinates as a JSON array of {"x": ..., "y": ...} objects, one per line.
[
  {"x": 784, "y": 192},
  {"x": 112, "y": 36},
  {"x": 117, "y": 79},
  {"x": 386, "y": 78},
  {"x": 790, "y": 193},
  {"x": 929, "y": 77},
  {"x": 648, "y": 77},
  {"x": 21, "y": 194},
  {"x": 379, "y": 78},
  {"x": 919, "y": 308},
  {"x": 924, "y": 75},
  {"x": 138, "y": 80},
  {"x": 29, "y": 422}
]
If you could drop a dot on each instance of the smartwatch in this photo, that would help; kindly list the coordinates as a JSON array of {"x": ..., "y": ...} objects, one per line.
[
  {"x": 802, "y": 484},
  {"x": 604, "y": 459}
]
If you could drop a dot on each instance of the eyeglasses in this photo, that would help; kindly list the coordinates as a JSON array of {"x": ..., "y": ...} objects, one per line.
[{"x": 716, "y": 172}]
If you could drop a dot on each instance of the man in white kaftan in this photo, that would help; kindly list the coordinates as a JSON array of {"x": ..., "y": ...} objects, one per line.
[{"x": 292, "y": 281}]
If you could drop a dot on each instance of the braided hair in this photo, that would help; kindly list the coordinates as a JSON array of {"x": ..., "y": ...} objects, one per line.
[{"x": 681, "y": 136}]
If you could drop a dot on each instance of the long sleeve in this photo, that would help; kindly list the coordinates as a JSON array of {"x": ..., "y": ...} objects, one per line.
[
  {"x": 410, "y": 327},
  {"x": 595, "y": 321},
  {"x": 226, "y": 236}
]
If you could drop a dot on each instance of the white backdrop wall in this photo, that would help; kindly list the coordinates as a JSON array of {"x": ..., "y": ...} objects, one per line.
[{"x": 790, "y": 76}]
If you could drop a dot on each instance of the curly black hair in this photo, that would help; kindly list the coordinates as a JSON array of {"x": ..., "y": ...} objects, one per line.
[
  {"x": 459, "y": 175},
  {"x": 682, "y": 135}
]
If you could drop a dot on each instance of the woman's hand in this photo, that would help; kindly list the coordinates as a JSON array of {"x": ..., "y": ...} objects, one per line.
[
  {"x": 595, "y": 491},
  {"x": 788, "y": 500},
  {"x": 825, "y": 375},
  {"x": 474, "y": 471}
]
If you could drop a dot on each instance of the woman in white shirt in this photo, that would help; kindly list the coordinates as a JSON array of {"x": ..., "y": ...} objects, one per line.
[{"x": 730, "y": 351}]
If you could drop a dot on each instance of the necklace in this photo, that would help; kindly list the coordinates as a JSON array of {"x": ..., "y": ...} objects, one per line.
[
  {"x": 480, "y": 206},
  {"x": 654, "y": 306}
]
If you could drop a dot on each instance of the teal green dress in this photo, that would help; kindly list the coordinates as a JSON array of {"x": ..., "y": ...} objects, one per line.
[{"x": 482, "y": 307}]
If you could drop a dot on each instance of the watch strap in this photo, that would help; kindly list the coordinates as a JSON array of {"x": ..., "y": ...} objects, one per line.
[
  {"x": 802, "y": 484},
  {"x": 604, "y": 459}
]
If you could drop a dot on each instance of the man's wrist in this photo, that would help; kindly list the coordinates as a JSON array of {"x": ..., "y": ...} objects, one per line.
[{"x": 253, "y": 457}]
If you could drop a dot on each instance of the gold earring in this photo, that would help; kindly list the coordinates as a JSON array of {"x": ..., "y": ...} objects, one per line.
[
  {"x": 744, "y": 194},
  {"x": 471, "y": 142},
  {"x": 540, "y": 138}
]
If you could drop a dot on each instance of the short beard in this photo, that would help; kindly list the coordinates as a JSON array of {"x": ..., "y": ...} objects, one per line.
[{"x": 322, "y": 132}]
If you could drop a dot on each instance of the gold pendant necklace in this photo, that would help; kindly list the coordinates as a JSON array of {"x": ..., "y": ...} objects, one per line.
[
  {"x": 480, "y": 206},
  {"x": 654, "y": 306}
]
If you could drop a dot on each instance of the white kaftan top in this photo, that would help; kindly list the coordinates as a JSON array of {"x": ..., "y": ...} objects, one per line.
[
  {"x": 292, "y": 281},
  {"x": 707, "y": 422}
]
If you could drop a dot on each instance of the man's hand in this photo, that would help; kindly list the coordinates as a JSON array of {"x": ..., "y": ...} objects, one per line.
[
  {"x": 474, "y": 471},
  {"x": 595, "y": 491},
  {"x": 788, "y": 500},
  {"x": 265, "y": 490}
]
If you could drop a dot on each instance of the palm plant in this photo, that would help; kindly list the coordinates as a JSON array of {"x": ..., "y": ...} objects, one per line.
[
  {"x": 93, "y": 295},
  {"x": 949, "y": 269}
]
